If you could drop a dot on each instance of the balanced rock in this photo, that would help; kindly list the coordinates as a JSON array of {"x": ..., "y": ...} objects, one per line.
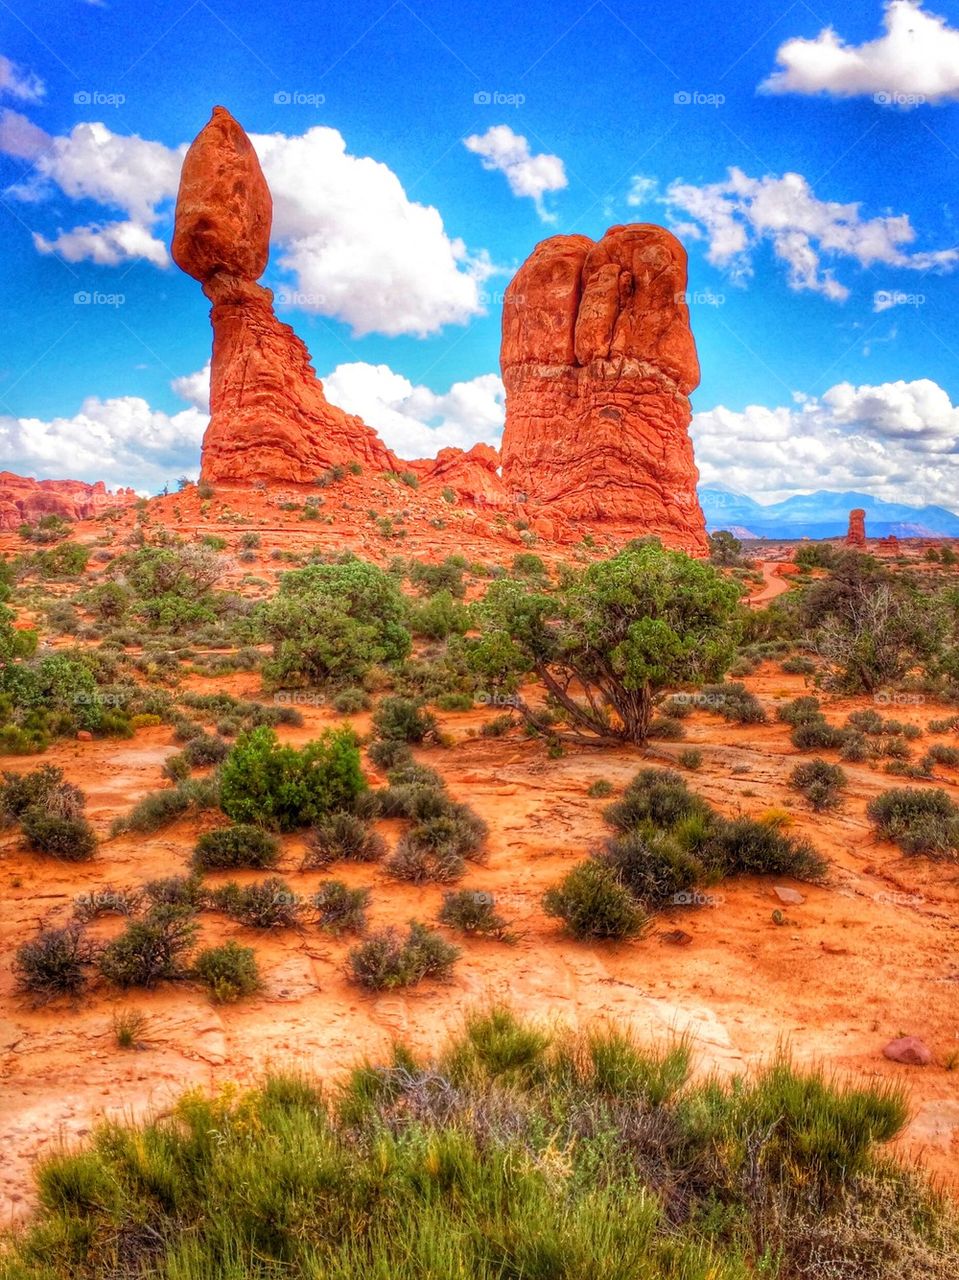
[
  {"x": 598, "y": 362},
  {"x": 856, "y": 536},
  {"x": 269, "y": 418}
]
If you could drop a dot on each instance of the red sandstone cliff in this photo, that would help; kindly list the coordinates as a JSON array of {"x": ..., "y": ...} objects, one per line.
[{"x": 25, "y": 500}]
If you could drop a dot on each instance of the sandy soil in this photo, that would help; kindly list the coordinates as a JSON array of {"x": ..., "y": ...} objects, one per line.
[{"x": 866, "y": 958}]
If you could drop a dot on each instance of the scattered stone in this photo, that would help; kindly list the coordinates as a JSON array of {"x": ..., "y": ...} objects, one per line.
[
  {"x": 909, "y": 1050},
  {"x": 790, "y": 896},
  {"x": 84, "y": 735},
  {"x": 677, "y": 937}
]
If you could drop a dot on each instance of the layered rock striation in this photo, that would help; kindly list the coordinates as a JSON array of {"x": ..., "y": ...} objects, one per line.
[{"x": 598, "y": 362}]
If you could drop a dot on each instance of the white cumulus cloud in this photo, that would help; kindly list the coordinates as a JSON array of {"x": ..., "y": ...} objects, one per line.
[
  {"x": 356, "y": 247},
  {"x": 915, "y": 60},
  {"x": 895, "y": 440},
  {"x": 499, "y": 148},
  {"x": 737, "y": 215}
]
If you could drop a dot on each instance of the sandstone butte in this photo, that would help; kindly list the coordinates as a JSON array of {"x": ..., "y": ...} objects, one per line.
[
  {"x": 856, "y": 535},
  {"x": 597, "y": 357},
  {"x": 25, "y": 500}
]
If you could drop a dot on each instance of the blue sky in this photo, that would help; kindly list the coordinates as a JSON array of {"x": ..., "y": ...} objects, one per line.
[{"x": 417, "y": 152}]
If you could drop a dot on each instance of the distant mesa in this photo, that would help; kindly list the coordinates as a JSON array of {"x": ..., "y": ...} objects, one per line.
[
  {"x": 24, "y": 500},
  {"x": 597, "y": 357},
  {"x": 856, "y": 534}
]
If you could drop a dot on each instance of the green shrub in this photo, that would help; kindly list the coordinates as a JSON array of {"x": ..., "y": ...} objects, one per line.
[
  {"x": 734, "y": 702},
  {"x": 344, "y": 836},
  {"x": 351, "y": 700},
  {"x": 52, "y": 964},
  {"x": 278, "y": 786},
  {"x": 155, "y": 810},
  {"x": 666, "y": 728},
  {"x": 176, "y": 891},
  {"x": 446, "y": 576},
  {"x": 797, "y": 665},
  {"x": 919, "y": 821},
  {"x": 744, "y": 846},
  {"x": 150, "y": 950},
  {"x": 652, "y": 865},
  {"x": 204, "y": 750},
  {"x": 820, "y": 782},
  {"x": 384, "y": 753},
  {"x": 690, "y": 758},
  {"x": 229, "y": 972},
  {"x": 939, "y": 753},
  {"x": 655, "y": 795},
  {"x": 70, "y": 839},
  {"x": 799, "y": 710},
  {"x": 455, "y": 702},
  {"x": 340, "y": 909},
  {"x": 439, "y": 617},
  {"x": 422, "y": 864},
  {"x": 268, "y": 904},
  {"x": 44, "y": 788},
  {"x": 243, "y": 845},
  {"x": 386, "y": 960},
  {"x": 399, "y": 719},
  {"x": 599, "y": 789},
  {"x": 593, "y": 903},
  {"x": 816, "y": 735},
  {"x": 474, "y": 911}
]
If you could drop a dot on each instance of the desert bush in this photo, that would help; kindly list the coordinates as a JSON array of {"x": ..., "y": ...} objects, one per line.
[
  {"x": 940, "y": 753},
  {"x": 128, "y": 1028},
  {"x": 652, "y": 865},
  {"x": 423, "y": 864},
  {"x": 53, "y": 963},
  {"x": 473, "y": 911},
  {"x": 919, "y": 821},
  {"x": 278, "y": 786},
  {"x": 242, "y": 845},
  {"x": 268, "y": 904},
  {"x": 176, "y": 891},
  {"x": 351, "y": 700},
  {"x": 44, "y": 788},
  {"x": 820, "y": 782},
  {"x": 856, "y": 748},
  {"x": 70, "y": 839},
  {"x": 816, "y": 735},
  {"x": 229, "y": 972},
  {"x": 399, "y": 719},
  {"x": 659, "y": 796},
  {"x": 455, "y": 702},
  {"x": 744, "y": 846},
  {"x": 345, "y": 836},
  {"x": 150, "y": 950},
  {"x": 204, "y": 750},
  {"x": 592, "y": 902},
  {"x": 439, "y": 617},
  {"x": 691, "y": 758},
  {"x": 666, "y": 728},
  {"x": 158, "y": 809},
  {"x": 340, "y": 909},
  {"x": 797, "y": 665},
  {"x": 599, "y": 789},
  {"x": 333, "y": 622},
  {"x": 447, "y": 575},
  {"x": 733, "y": 701},
  {"x": 384, "y": 753},
  {"x": 799, "y": 710},
  {"x": 386, "y": 960}
]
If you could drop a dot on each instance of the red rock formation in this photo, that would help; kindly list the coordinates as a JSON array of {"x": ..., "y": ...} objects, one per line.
[
  {"x": 269, "y": 417},
  {"x": 889, "y": 543},
  {"x": 25, "y": 500},
  {"x": 856, "y": 537},
  {"x": 598, "y": 361},
  {"x": 473, "y": 476}
]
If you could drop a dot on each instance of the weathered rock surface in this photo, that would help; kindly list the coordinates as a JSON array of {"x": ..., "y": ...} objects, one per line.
[
  {"x": 473, "y": 475},
  {"x": 909, "y": 1050},
  {"x": 856, "y": 536},
  {"x": 269, "y": 418},
  {"x": 598, "y": 361},
  {"x": 25, "y": 500}
]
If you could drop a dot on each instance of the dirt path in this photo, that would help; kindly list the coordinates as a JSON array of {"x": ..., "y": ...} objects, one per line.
[{"x": 775, "y": 583}]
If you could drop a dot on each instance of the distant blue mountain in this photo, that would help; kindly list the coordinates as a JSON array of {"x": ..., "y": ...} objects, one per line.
[{"x": 821, "y": 515}]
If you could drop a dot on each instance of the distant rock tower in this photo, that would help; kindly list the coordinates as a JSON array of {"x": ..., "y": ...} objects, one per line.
[{"x": 856, "y": 537}]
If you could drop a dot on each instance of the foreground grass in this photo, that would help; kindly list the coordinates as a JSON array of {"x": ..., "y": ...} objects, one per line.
[{"x": 517, "y": 1155}]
